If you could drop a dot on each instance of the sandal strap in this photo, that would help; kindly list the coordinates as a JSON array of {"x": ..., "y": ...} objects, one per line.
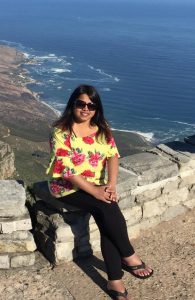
[
  {"x": 118, "y": 294},
  {"x": 138, "y": 267}
]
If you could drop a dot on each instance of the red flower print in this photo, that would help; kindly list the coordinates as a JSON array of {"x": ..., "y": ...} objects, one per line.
[
  {"x": 68, "y": 173},
  {"x": 94, "y": 158},
  {"x": 67, "y": 185},
  {"x": 78, "y": 158},
  {"x": 88, "y": 140},
  {"x": 61, "y": 152},
  {"x": 67, "y": 141},
  {"x": 55, "y": 188},
  {"x": 112, "y": 142},
  {"x": 58, "y": 167},
  {"x": 88, "y": 173}
]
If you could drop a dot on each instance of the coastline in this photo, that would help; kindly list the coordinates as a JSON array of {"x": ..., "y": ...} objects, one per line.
[{"x": 20, "y": 105}]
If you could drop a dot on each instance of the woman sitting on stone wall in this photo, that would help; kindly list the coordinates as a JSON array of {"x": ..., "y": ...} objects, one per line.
[{"x": 81, "y": 148}]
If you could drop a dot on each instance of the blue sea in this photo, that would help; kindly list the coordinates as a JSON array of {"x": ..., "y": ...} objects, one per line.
[{"x": 139, "y": 54}]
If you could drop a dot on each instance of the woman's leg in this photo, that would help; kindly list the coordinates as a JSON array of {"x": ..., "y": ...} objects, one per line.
[{"x": 110, "y": 221}]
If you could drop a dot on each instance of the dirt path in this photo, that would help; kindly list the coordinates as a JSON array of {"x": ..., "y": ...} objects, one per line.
[{"x": 169, "y": 248}]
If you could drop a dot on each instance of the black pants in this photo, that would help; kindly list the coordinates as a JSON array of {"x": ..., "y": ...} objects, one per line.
[{"x": 112, "y": 226}]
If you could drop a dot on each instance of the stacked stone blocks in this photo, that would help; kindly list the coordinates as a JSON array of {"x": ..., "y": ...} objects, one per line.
[
  {"x": 17, "y": 244},
  {"x": 153, "y": 186},
  {"x": 61, "y": 232}
]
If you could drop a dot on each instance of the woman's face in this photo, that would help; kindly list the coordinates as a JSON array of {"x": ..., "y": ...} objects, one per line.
[{"x": 82, "y": 112}]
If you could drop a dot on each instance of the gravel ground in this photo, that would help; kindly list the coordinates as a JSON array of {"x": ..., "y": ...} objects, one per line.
[{"x": 169, "y": 248}]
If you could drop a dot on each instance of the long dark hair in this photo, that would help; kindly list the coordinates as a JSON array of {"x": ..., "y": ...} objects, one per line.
[{"x": 66, "y": 120}]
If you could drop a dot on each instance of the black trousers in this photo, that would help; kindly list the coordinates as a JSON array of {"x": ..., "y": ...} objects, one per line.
[{"x": 112, "y": 226}]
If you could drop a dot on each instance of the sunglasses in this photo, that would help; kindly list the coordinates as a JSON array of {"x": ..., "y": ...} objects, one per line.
[{"x": 82, "y": 104}]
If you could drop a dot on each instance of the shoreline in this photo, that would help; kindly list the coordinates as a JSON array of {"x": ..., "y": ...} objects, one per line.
[{"x": 145, "y": 137}]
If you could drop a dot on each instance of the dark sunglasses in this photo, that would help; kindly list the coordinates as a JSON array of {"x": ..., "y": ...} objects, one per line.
[{"x": 82, "y": 104}]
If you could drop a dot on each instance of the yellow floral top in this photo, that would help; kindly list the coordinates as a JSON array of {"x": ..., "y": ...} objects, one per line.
[{"x": 71, "y": 155}]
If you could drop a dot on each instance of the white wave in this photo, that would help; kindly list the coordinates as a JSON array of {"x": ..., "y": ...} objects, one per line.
[
  {"x": 149, "y": 136},
  {"x": 60, "y": 70},
  {"x": 45, "y": 57},
  {"x": 183, "y": 123},
  {"x": 166, "y": 120},
  {"x": 57, "y": 112},
  {"x": 100, "y": 71},
  {"x": 82, "y": 79},
  {"x": 150, "y": 118},
  {"x": 26, "y": 55},
  {"x": 68, "y": 64},
  {"x": 106, "y": 89},
  {"x": 59, "y": 87},
  {"x": 58, "y": 105}
]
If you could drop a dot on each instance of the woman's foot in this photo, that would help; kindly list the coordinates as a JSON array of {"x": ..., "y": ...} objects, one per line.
[
  {"x": 117, "y": 286},
  {"x": 136, "y": 266}
]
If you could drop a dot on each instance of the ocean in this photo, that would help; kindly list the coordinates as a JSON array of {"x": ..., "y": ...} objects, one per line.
[{"x": 140, "y": 55}]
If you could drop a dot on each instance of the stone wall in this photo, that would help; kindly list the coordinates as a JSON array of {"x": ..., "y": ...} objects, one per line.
[
  {"x": 6, "y": 161},
  {"x": 17, "y": 244},
  {"x": 154, "y": 186}
]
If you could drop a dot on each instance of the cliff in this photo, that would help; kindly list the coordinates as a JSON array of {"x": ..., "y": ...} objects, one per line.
[
  {"x": 24, "y": 120},
  {"x": 19, "y": 105}
]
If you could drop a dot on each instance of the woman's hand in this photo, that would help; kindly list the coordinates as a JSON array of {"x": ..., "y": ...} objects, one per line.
[
  {"x": 111, "y": 189},
  {"x": 105, "y": 193}
]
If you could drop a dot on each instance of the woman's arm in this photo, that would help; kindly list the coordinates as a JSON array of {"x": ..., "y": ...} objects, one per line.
[
  {"x": 112, "y": 170},
  {"x": 112, "y": 176}
]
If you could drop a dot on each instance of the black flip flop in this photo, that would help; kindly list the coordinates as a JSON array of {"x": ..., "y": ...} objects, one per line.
[
  {"x": 131, "y": 270},
  {"x": 115, "y": 294}
]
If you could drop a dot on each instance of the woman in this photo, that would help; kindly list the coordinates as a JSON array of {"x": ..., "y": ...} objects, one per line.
[{"x": 82, "y": 146}]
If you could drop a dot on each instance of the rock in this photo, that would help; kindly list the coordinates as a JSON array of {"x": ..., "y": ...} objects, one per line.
[
  {"x": 23, "y": 260},
  {"x": 172, "y": 212},
  {"x": 153, "y": 208},
  {"x": 18, "y": 241},
  {"x": 132, "y": 215},
  {"x": 187, "y": 179},
  {"x": 142, "y": 164},
  {"x": 190, "y": 140},
  {"x": 126, "y": 180},
  {"x": 175, "y": 155},
  {"x": 7, "y": 158},
  {"x": 147, "y": 195},
  {"x": 55, "y": 252},
  {"x": 15, "y": 224},
  {"x": 12, "y": 196},
  {"x": 190, "y": 203},
  {"x": 4, "y": 261},
  {"x": 183, "y": 148}
]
